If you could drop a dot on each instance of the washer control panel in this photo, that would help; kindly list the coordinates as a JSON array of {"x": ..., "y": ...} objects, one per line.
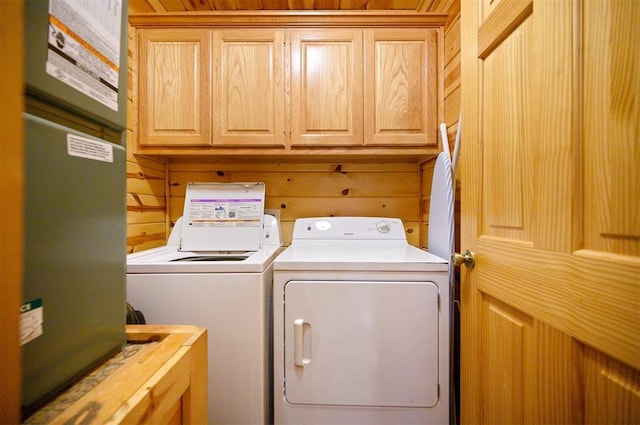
[{"x": 349, "y": 228}]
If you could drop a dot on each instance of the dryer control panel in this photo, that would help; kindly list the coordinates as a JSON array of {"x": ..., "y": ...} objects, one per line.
[{"x": 349, "y": 228}]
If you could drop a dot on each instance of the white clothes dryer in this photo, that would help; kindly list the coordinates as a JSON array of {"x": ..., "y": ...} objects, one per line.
[
  {"x": 216, "y": 272},
  {"x": 362, "y": 320}
]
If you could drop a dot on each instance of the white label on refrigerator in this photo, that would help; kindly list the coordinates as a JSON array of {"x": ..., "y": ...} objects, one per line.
[
  {"x": 31, "y": 320},
  {"x": 84, "y": 47},
  {"x": 89, "y": 148},
  {"x": 225, "y": 212}
]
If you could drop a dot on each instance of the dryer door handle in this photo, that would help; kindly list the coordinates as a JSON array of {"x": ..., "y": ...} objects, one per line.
[{"x": 299, "y": 327}]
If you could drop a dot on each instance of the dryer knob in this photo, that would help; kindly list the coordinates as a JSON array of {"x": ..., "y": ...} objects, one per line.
[{"x": 383, "y": 227}]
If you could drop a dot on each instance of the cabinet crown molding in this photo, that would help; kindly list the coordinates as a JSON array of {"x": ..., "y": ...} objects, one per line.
[{"x": 290, "y": 19}]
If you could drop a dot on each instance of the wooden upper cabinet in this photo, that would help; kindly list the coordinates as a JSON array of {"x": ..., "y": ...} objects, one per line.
[
  {"x": 254, "y": 85},
  {"x": 401, "y": 87},
  {"x": 326, "y": 88},
  {"x": 174, "y": 95},
  {"x": 248, "y": 100}
]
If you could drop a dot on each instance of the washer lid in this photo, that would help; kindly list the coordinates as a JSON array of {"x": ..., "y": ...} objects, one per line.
[
  {"x": 167, "y": 259},
  {"x": 222, "y": 217}
]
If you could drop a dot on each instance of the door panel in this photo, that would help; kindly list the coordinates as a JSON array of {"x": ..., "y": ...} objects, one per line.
[
  {"x": 547, "y": 157},
  {"x": 249, "y": 105},
  {"x": 361, "y": 343},
  {"x": 401, "y": 87},
  {"x": 506, "y": 167},
  {"x": 610, "y": 383},
  {"x": 611, "y": 117},
  {"x": 174, "y": 87},
  {"x": 503, "y": 357},
  {"x": 326, "y": 87}
]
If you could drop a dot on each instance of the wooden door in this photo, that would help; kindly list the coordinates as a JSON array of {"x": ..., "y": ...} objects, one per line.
[
  {"x": 248, "y": 105},
  {"x": 550, "y": 206},
  {"x": 326, "y": 87},
  {"x": 174, "y": 100},
  {"x": 401, "y": 87}
]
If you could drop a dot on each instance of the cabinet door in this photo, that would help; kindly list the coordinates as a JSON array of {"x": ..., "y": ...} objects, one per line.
[
  {"x": 326, "y": 88},
  {"x": 174, "y": 87},
  {"x": 248, "y": 107},
  {"x": 401, "y": 87}
]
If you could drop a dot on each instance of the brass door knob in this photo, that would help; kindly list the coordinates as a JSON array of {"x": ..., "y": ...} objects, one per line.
[{"x": 467, "y": 258}]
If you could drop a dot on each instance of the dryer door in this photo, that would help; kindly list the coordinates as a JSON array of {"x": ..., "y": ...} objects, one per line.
[{"x": 361, "y": 343}]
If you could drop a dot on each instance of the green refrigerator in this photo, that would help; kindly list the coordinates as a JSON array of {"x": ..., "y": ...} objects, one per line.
[{"x": 74, "y": 302}]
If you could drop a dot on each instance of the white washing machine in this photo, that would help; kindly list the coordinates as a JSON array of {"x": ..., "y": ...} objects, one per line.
[
  {"x": 216, "y": 272},
  {"x": 361, "y": 325}
]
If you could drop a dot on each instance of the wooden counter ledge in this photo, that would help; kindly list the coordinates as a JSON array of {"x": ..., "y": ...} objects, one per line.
[{"x": 160, "y": 376}]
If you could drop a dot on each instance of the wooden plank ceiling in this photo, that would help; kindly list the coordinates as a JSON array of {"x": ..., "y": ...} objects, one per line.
[{"x": 170, "y": 6}]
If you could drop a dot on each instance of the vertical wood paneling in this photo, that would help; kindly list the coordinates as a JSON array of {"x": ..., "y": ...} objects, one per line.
[
  {"x": 612, "y": 115},
  {"x": 503, "y": 362},
  {"x": 556, "y": 396},
  {"x": 553, "y": 132},
  {"x": 612, "y": 391},
  {"x": 506, "y": 95},
  {"x": 531, "y": 372}
]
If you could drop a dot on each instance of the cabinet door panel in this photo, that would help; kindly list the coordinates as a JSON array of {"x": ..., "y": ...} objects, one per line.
[
  {"x": 174, "y": 87},
  {"x": 249, "y": 102},
  {"x": 401, "y": 81},
  {"x": 326, "y": 88}
]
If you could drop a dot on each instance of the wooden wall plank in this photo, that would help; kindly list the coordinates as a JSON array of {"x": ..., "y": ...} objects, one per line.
[
  {"x": 452, "y": 40},
  {"x": 146, "y": 216},
  {"x": 452, "y": 75},
  {"x": 295, "y": 184},
  {"x": 240, "y": 165},
  {"x": 293, "y": 208},
  {"x": 452, "y": 109},
  {"x": 145, "y": 236},
  {"x": 308, "y": 190}
]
